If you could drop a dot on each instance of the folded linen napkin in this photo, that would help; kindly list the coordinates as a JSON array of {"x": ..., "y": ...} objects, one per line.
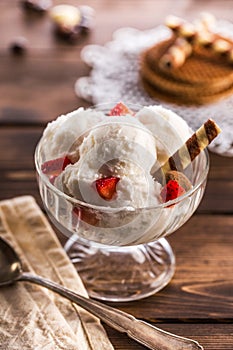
[{"x": 32, "y": 317}]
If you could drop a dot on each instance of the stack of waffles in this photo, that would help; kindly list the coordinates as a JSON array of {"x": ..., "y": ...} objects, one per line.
[{"x": 193, "y": 66}]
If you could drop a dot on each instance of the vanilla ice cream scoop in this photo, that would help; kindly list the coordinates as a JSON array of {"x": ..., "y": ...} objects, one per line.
[
  {"x": 135, "y": 188},
  {"x": 123, "y": 147},
  {"x": 127, "y": 147},
  {"x": 61, "y": 134},
  {"x": 170, "y": 130},
  {"x": 123, "y": 138}
]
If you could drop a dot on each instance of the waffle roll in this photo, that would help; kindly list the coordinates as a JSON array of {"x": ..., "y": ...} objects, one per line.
[
  {"x": 176, "y": 54},
  {"x": 192, "y": 147},
  {"x": 199, "y": 35},
  {"x": 218, "y": 45},
  {"x": 180, "y": 27},
  {"x": 189, "y": 30}
]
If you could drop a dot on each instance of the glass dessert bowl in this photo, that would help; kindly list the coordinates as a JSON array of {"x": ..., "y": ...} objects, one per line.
[{"x": 109, "y": 193}]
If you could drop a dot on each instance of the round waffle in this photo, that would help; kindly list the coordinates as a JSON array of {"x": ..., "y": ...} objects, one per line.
[{"x": 201, "y": 79}]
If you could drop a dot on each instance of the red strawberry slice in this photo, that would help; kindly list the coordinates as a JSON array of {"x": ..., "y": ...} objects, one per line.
[
  {"x": 106, "y": 187},
  {"x": 85, "y": 214},
  {"x": 55, "y": 166},
  {"x": 120, "y": 109},
  {"x": 171, "y": 191}
]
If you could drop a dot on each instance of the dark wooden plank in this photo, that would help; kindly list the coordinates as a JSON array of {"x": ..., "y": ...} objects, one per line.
[
  {"x": 201, "y": 289},
  {"x": 17, "y": 147},
  {"x": 46, "y": 75},
  {"x": 210, "y": 336},
  {"x": 219, "y": 190},
  {"x": 221, "y": 168},
  {"x": 110, "y": 15},
  {"x": 46, "y": 89}
]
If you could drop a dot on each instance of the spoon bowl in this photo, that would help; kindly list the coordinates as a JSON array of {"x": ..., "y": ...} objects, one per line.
[
  {"x": 11, "y": 267},
  {"x": 154, "y": 338}
]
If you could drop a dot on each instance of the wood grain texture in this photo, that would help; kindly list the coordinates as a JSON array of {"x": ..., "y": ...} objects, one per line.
[
  {"x": 47, "y": 73},
  {"x": 201, "y": 289},
  {"x": 210, "y": 336}
]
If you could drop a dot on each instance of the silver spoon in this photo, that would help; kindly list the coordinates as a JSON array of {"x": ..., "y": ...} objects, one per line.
[{"x": 144, "y": 333}]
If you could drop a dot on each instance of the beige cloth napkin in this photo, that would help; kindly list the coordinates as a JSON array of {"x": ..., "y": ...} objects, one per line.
[{"x": 32, "y": 317}]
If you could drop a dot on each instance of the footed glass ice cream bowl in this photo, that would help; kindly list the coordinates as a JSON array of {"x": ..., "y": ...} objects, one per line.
[{"x": 118, "y": 245}]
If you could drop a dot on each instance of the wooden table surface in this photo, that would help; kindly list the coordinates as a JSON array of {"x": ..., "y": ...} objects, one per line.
[{"x": 38, "y": 86}]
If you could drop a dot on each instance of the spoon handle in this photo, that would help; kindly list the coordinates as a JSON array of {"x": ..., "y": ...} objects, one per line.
[{"x": 144, "y": 333}]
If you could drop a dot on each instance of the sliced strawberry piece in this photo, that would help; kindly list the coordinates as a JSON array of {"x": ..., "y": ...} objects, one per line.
[
  {"x": 120, "y": 109},
  {"x": 171, "y": 191},
  {"x": 55, "y": 166},
  {"x": 106, "y": 187},
  {"x": 85, "y": 214}
]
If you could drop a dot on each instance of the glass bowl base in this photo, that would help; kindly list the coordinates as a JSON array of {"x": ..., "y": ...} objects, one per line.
[{"x": 119, "y": 274}]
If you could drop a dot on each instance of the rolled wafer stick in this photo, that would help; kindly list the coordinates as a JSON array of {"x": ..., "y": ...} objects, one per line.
[
  {"x": 192, "y": 147},
  {"x": 204, "y": 39},
  {"x": 222, "y": 46},
  {"x": 176, "y": 54},
  {"x": 200, "y": 34},
  {"x": 217, "y": 45},
  {"x": 206, "y": 21},
  {"x": 173, "y": 22},
  {"x": 224, "y": 49},
  {"x": 181, "y": 27},
  {"x": 181, "y": 49},
  {"x": 189, "y": 30},
  {"x": 216, "y": 42}
]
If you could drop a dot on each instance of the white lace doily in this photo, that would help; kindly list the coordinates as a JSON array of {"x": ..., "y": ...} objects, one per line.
[{"x": 115, "y": 76}]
